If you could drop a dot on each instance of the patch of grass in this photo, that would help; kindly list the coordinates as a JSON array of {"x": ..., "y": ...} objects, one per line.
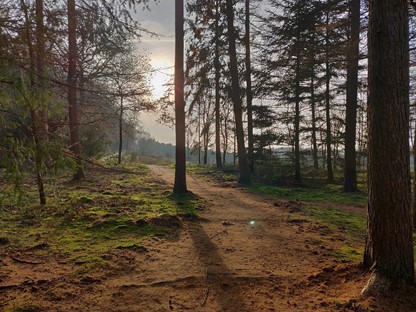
[
  {"x": 86, "y": 221},
  {"x": 229, "y": 173},
  {"x": 348, "y": 254},
  {"x": 89, "y": 265},
  {"x": 329, "y": 193},
  {"x": 349, "y": 227},
  {"x": 188, "y": 203},
  {"x": 353, "y": 224},
  {"x": 323, "y": 193}
]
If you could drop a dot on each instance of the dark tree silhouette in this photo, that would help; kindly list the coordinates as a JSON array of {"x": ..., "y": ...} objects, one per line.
[
  {"x": 249, "y": 92},
  {"x": 350, "y": 167},
  {"x": 217, "y": 88},
  {"x": 72, "y": 90},
  {"x": 244, "y": 177},
  {"x": 330, "y": 172},
  {"x": 180, "y": 170}
]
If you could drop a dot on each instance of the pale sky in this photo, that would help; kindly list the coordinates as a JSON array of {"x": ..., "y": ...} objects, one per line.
[{"x": 160, "y": 20}]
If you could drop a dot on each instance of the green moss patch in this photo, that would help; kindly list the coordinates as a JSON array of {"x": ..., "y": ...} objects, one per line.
[
  {"x": 329, "y": 193},
  {"x": 110, "y": 211},
  {"x": 352, "y": 224}
]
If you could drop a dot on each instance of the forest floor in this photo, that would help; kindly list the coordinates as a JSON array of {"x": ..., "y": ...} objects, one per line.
[{"x": 241, "y": 252}]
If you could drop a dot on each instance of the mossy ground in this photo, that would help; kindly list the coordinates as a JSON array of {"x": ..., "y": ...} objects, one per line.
[{"x": 83, "y": 222}]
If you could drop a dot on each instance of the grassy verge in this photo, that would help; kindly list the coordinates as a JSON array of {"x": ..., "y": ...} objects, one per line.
[
  {"x": 328, "y": 193},
  {"x": 328, "y": 205},
  {"x": 84, "y": 222},
  {"x": 210, "y": 172}
]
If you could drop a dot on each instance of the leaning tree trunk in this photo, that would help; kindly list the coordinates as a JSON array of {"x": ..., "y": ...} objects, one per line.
[
  {"x": 244, "y": 177},
  {"x": 180, "y": 169},
  {"x": 350, "y": 167},
  {"x": 72, "y": 90},
  {"x": 389, "y": 248}
]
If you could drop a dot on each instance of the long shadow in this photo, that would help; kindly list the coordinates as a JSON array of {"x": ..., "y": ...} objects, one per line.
[{"x": 219, "y": 278}]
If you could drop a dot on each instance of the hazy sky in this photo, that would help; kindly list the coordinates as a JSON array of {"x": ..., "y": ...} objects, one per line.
[{"x": 161, "y": 20}]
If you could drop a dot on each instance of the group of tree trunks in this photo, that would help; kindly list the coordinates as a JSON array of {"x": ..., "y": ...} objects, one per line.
[{"x": 389, "y": 247}]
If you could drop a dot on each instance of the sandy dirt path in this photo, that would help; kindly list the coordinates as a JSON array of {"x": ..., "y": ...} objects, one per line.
[{"x": 243, "y": 253}]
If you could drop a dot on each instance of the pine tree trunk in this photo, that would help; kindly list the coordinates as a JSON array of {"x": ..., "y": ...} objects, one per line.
[
  {"x": 330, "y": 173},
  {"x": 180, "y": 169},
  {"x": 217, "y": 90},
  {"x": 249, "y": 93},
  {"x": 414, "y": 180},
  {"x": 199, "y": 133},
  {"x": 120, "y": 131},
  {"x": 72, "y": 90},
  {"x": 206, "y": 141},
  {"x": 297, "y": 122},
  {"x": 244, "y": 177},
  {"x": 350, "y": 167},
  {"x": 389, "y": 247},
  {"x": 313, "y": 109},
  {"x": 225, "y": 140}
]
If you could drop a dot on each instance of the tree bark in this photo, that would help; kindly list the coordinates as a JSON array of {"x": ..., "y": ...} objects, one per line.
[
  {"x": 120, "y": 131},
  {"x": 414, "y": 180},
  {"x": 244, "y": 177},
  {"x": 217, "y": 90},
  {"x": 330, "y": 173},
  {"x": 389, "y": 247},
  {"x": 313, "y": 112},
  {"x": 72, "y": 90},
  {"x": 249, "y": 93},
  {"x": 199, "y": 133},
  {"x": 297, "y": 119},
  {"x": 350, "y": 166},
  {"x": 206, "y": 142},
  {"x": 180, "y": 169}
]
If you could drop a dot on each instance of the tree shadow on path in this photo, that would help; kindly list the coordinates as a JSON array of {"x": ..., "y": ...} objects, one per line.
[{"x": 221, "y": 283}]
